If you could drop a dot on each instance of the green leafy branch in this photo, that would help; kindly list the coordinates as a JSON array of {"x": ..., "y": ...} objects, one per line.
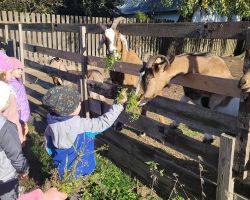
[
  {"x": 132, "y": 106},
  {"x": 111, "y": 59}
]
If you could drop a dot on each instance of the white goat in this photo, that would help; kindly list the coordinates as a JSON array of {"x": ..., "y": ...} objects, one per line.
[{"x": 117, "y": 45}]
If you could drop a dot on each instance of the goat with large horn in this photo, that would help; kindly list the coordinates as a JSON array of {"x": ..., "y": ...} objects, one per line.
[
  {"x": 117, "y": 45},
  {"x": 160, "y": 69}
]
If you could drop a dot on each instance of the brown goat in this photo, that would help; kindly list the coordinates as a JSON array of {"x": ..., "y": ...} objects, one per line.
[
  {"x": 159, "y": 70},
  {"x": 117, "y": 46}
]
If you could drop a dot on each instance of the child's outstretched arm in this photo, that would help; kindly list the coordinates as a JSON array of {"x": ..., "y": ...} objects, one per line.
[{"x": 103, "y": 122}]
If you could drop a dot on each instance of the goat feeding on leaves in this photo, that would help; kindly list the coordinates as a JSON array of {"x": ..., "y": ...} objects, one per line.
[
  {"x": 92, "y": 74},
  {"x": 160, "y": 69},
  {"x": 117, "y": 46}
]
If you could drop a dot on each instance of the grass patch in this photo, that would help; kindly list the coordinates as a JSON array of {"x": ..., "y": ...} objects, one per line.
[{"x": 189, "y": 132}]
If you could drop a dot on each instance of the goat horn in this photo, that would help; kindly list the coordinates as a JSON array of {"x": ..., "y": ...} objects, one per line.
[
  {"x": 153, "y": 59},
  {"x": 116, "y": 21}
]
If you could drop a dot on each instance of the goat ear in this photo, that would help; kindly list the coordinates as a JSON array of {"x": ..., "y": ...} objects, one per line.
[
  {"x": 156, "y": 69},
  {"x": 171, "y": 58},
  {"x": 100, "y": 45}
]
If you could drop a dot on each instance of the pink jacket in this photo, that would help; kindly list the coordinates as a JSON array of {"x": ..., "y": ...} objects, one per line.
[
  {"x": 34, "y": 195},
  {"x": 11, "y": 114}
]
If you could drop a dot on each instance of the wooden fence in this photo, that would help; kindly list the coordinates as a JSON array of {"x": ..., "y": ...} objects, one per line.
[
  {"x": 126, "y": 148},
  {"x": 69, "y": 41}
]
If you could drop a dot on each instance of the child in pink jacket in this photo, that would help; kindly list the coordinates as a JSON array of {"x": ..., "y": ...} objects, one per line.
[
  {"x": 21, "y": 96},
  {"x": 10, "y": 112}
]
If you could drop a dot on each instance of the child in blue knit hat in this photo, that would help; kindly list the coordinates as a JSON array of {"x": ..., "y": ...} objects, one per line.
[{"x": 70, "y": 138}]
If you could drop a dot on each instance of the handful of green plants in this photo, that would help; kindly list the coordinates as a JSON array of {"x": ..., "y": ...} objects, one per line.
[
  {"x": 132, "y": 107},
  {"x": 110, "y": 60}
]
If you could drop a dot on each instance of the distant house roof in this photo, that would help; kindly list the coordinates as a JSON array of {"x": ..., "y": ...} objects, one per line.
[{"x": 146, "y": 6}]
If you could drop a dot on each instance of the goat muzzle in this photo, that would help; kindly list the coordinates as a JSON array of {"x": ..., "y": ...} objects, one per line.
[{"x": 143, "y": 102}]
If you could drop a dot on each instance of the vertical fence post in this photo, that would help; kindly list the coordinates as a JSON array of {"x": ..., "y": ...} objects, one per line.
[
  {"x": 21, "y": 53},
  {"x": 83, "y": 85},
  {"x": 6, "y": 33},
  {"x": 225, "y": 183},
  {"x": 243, "y": 140}
]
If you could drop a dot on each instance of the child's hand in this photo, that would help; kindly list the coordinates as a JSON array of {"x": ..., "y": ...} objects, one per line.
[
  {"x": 124, "y": 98},
  {"x": 54, "y": 194},
  {"x": 24, "y": 175},
  {"x": 25, "y": 129}
]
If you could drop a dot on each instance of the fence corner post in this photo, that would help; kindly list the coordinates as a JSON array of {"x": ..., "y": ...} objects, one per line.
[
  {"x": 243, "y": 136},
  {"x": 83, "y": 81},
  {"x": 225, "y": 182},
  {"x": 6, "y": 33}
]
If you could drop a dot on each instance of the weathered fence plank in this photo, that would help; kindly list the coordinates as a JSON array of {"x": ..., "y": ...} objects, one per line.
[
  {"x": 172, "y": 138},
  {"x": 132, "y": 155},
  {"x": 225, "y": 182},
  {"x": 243, "y": 139},
  {"x": 219, "y": 30},
  {"x": 54, "y": 52},
  {"x": 83, "y": 85},
  {"x": 195, "y": 116}
]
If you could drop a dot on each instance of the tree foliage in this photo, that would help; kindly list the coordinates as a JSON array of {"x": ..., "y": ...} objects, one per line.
[
  {"x": 40, "y": 6},
  {"x": 73, "y": 7},
  {"x": 222, "y": 7},
  {"x": 101, "y": 7}
]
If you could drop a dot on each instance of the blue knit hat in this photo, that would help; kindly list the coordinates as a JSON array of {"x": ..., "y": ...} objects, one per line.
[{"x": 61, "y": 100}]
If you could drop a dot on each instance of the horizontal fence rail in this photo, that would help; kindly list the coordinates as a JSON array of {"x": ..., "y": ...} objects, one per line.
[
  {"x": 215, "y": 30},
  {"x": 227, "y": 87}
]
